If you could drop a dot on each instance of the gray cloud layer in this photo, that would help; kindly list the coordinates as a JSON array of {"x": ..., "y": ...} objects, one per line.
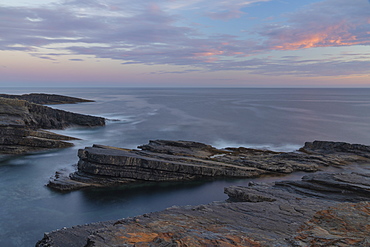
[{"x": 149, "y": 32}]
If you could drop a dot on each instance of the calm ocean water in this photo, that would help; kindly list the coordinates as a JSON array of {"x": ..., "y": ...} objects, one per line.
[{"x": 277, "y": 119}]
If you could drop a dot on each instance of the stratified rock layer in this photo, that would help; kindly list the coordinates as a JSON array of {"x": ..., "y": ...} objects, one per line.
[
  {"x": 278, "y": 214},
  {"x": 184, "y": 160},
  {"x": 21, "y": 121}
]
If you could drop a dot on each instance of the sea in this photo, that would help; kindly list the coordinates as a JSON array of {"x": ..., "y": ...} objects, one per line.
[{"x": 280, "y": 119}]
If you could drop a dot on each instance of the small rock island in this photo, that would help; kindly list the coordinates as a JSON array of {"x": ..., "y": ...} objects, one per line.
[{"x": 24, "y": 118}]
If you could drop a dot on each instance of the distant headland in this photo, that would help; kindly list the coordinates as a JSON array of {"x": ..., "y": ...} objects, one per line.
[{"x": 24, "y": 118}]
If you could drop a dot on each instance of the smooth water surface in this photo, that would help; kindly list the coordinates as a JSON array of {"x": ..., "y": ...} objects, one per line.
[{"x": 278, "y": 119}]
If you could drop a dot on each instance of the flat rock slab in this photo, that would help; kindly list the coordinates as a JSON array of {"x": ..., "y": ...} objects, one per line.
[
  {"x": 162, "y": 160},
  {"x": 257, "y": 215}
]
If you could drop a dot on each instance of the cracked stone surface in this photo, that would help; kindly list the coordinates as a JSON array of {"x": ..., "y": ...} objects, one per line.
[{"x": 261, "y": 214}]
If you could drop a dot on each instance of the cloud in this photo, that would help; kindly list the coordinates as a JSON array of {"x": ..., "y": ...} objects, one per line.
[
  {"x": 336, "y": 66},
  {"x": 328, "y": 23},
  {"x": 47, "y": 58},
  {"x": 313, "y": 68},
  {"x": 156, "y": 33},
  {"x": 225, "y": 15},
  {"x": 76, "y": 59}
]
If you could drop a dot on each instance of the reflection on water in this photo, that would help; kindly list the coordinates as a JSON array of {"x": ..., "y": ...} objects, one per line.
[{"x": 278, "y": 119}]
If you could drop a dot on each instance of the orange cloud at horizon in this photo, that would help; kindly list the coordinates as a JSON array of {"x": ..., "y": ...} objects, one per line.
[{"x": 335, "y": 35}]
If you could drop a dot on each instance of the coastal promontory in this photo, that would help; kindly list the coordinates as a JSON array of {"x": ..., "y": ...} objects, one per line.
[{"x": 24, "y": 121}]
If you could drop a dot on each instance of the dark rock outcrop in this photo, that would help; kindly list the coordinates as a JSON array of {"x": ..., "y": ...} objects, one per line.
[
  {"x": 46, "y": 99},
  {"x": 21, "y": 121},
  {"x": 183, "y": 160},
  {"x": 17, "y": 140},
  {"x": 257, "y": 215}
]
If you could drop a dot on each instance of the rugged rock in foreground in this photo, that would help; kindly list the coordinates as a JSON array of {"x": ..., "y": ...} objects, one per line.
[
  {"x": 310, "y": 212},
  {"x": 21, "y": 121},
  {"x": 161, "y": 160}
]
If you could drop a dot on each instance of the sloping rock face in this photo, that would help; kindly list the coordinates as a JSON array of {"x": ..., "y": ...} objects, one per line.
[
  {"x": 163, "y": 160},
  {"x": 21, "y": 120},
  {"x": 258, "y": 215}
]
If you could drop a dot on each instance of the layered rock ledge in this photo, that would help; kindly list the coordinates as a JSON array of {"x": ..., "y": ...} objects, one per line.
[
  {"x": 320, "y": 210},
  {"x": 160, "y": 160},
  {"x": 22, "y": 122}
]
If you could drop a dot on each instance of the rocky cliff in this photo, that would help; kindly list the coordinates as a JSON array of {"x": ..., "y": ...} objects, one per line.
[
  {"x": 21, "y": 122},
  {"x": 162, "y": 160}
]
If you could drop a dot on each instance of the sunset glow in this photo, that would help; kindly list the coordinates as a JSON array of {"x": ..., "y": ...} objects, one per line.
[{"x": 120, "y": 43}]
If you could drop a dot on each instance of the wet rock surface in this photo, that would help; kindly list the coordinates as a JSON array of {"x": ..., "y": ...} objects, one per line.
[
  {"x": 161, "y": 160},
  {"x": 262, "y": 214},
  {"x": 21, "y": 123}
]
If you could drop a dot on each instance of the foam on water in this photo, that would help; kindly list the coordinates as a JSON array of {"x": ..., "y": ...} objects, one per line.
[{"x": 278, "y": 148}]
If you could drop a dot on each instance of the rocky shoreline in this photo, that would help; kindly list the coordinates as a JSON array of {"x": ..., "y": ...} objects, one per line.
[
  {"x": 321, "y": 209},
  {"x": 161, "y": 160},
  {"x": 23, "y": 121}
]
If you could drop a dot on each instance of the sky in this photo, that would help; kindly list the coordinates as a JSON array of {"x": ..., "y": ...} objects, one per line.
[{"x": 180, "y": 43}]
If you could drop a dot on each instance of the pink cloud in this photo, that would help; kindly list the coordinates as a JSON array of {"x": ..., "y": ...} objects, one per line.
[{"x": 328, "y": 23}]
